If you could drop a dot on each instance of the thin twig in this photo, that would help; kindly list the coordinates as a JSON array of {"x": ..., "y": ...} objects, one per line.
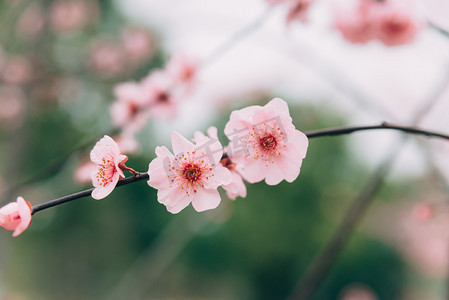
[
  {"x": 438, "y": 29},
  {"x": 85, "y": 193},
  {"x": 322, "y": 264}
]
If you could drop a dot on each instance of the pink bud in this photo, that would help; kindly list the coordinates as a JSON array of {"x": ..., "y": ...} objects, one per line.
[{"x": 16, "y": 216}]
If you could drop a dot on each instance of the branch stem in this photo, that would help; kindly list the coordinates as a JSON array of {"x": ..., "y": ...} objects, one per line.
[{"x": 310, "y": 134}]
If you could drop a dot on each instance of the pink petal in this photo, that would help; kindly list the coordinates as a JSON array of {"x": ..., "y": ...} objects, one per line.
[
  {"x": 205, "y": 199},
  {"x": 236, "y": 187},
  {"x": 221, "y": 176},
  {"x": 101, "y": 192},
  {"x": 180, "y": 144},
  {"x": 177, "y": 200},
  {"x": 25, "y": 216}
]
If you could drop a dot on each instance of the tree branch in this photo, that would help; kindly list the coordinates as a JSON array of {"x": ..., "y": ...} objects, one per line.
[{"x": 309, "y": 134}]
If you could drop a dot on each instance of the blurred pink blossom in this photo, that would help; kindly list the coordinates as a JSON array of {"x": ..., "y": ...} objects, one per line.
[
  {"x": 109, "y": 163},
  {"x": 356, "y": 24},
  {"x": 388, "y": 22},
  {"x": 127, "y": 142},
  {"x": 138, "y": 44},
  {"x": 182, "y": 69},
  {"x": 12, "y": 106},
  {"x": 395, "y": 25},
  {"x": 192, "y": 174},
  {"x": 298, "y": 10},
  {"x": 69, "y": 15},
  {"x": 83, "y": 173},
  {"x": 131, "y": 100},
  {"x": 264, "y": 141},
  {"x": 106, "y": 58},
  {"x": 16, "y": 70},
  {"x": 16, "y": 216},
  {"x": 358, "y": 292},
  {"x": 32, "y": 21},
  {"x": 161, "y": 95}
]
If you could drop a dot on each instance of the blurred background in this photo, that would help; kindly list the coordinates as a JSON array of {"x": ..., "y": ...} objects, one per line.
[{"x": 59, "y": 63}]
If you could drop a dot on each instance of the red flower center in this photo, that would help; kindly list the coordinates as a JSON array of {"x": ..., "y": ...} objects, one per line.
[
  {"x": 106, "y": 171},
  {"x": 191, "y": 173},
  {"x": 268, "y": 143}
]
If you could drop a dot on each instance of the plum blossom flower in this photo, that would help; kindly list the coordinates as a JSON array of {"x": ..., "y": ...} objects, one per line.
[
  {"x": 356, "y": 25},
  {"x": 182, "y": 68},
  {"x": 130, "y": 102},
  {"x": 395, "y": 25},
  {"x": 192, "y": 174},
  {"x": 265, "y": 143},
  {"x": 298, "y": 10},
  {"x": 109, "y": 164},
  {"x": 391, "y": 24},
  {"x": 16, "y": 216},
  {"x": 237, "y": 187},
  {"x": 138, "y": 43},
  {"x": 72, "y": 15},
  {"x": 159, "y": 89}
]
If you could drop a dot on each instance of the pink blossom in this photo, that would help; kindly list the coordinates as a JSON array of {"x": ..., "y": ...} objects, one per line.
[
  {"x": 16, "y": 216},
  {"x": 395, "y": 25},
  {"x": 264, "y": 141},
  {"x": 298, "y": 10},
  {"x": 138, "y": 44},
  {"x": 32, "y": 21},
  {"x": 356, "y": 25},
  {"x": 16, "y": 70},
  {"x": 83, "y": 173},
  {"x": 192, "y": 174},
  {"x": 161, "y": 95},
  {"x": 107, "y": 58},
  {"x": 12, "y": 103},
  {"x": 237, "y": 187},
  {"x": 130, "y": 102},
  {"x": 109, "y": 160},
  {"x": 68, "y": 15},
  {"x": 182, "y": 68}
]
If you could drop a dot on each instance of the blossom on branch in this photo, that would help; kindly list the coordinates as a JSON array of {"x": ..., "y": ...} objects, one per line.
[
  {"x": 110, "y": 163},
  {"x": 16, "y": 216},
  {"x": 391, "y": 24},
  {"x": 395, "y": 25},
  {"x": 236, "y": 187},
  {"x": 192, "y": 174},
  {"x": 264, "y": 141}
]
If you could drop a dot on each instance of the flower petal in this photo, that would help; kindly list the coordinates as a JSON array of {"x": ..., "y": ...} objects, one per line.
[{"x": 205, "y": 199}]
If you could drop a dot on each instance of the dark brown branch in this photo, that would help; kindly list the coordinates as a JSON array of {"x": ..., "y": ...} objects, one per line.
[
  {"x": 86, "y": 193},
  {"x": 384, "y": 125}
]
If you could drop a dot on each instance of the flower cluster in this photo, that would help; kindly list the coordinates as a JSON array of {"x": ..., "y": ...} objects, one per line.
[
  {"x": 390, "y": 23},
  {"x": 263, "y": 145},
  {"x": 155, "y": 96}
]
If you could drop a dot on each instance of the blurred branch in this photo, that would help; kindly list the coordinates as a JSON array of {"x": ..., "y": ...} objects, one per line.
[
  {"x": 323, "y": 262},
  {"x": 438, "y": 29},
  {"x": 238, "y": 36},
  {"x": 153, "y": 261},
  {"x": 384, "y": 125}
]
